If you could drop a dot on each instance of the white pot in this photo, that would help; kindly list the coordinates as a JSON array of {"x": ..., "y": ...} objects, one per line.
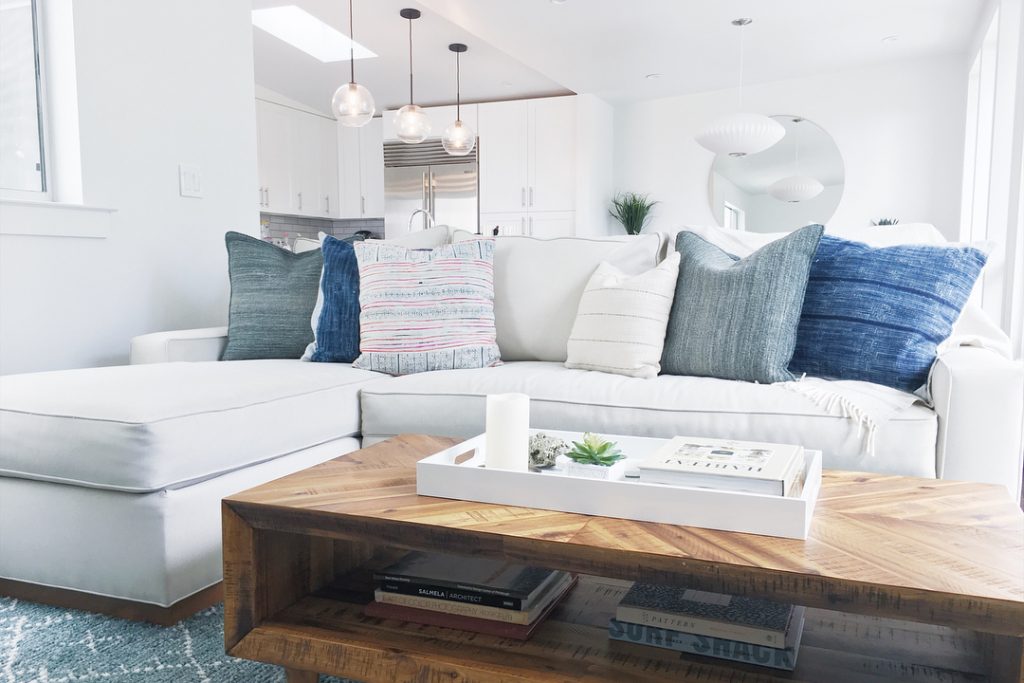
[{"x": 575, "y": 469}]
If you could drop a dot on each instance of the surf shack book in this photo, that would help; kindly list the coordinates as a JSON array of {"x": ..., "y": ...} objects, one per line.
[
  {"x": 732, "y": 617},
  {"x": 727, "y": 464},
  {"x": 783, "y": 658}
]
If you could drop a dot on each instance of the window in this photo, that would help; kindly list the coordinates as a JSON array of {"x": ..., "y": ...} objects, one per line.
[
  {"x": 735, "y": 218},
  {"x": 981, "y": 91},
  {"x": 22, "y": 148}
]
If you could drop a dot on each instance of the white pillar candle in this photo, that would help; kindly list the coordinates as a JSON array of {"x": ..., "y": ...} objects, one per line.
[{"x": 508, "y": 432}]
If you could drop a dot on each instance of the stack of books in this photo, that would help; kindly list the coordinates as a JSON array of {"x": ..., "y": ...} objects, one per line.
[
  {"x": 473, "y": 594},
  {"x": 727, "y": 465},
  {"x": 735, "y": 628}
]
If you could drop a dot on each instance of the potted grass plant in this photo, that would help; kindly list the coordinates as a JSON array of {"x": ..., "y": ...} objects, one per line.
[{"x": 631, "y": 210}]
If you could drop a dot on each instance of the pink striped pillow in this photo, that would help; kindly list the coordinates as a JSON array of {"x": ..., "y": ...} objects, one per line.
[{"x": 423, "y": 310}]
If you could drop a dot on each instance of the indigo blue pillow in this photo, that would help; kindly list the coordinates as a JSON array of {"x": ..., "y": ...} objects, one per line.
[
  {"x": 273, "y": 292},
  {"x": 336, "y": 316},
  {"x": 878, "y": 314},
  {"x": 736, "y": 318}
]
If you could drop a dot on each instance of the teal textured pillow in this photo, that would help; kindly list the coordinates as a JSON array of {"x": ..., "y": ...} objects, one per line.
[
  {"x": 737, "y": 318},
  {"x": 273, "y": 292}
]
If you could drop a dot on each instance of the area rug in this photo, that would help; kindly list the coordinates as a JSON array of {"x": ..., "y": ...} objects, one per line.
[{"x": 41, "y": 644}]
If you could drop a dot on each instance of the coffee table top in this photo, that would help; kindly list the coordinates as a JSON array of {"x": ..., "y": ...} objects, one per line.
[{"x": 944, "y": 552}]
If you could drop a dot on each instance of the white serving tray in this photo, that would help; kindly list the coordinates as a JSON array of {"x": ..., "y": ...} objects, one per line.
[{"x": 439, "y": 475}]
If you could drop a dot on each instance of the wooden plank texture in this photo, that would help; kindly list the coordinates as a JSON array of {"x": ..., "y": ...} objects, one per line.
[{"x": 936, "y": 551}]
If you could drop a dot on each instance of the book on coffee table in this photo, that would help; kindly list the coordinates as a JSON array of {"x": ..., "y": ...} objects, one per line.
[
  {"x": 727, "y": 464},
  {"x": 731, "y": 617},
  {"x": 550, "y": 593},
  {"x": 489, "y": 627},
  {"x": 720, "y": 648}
]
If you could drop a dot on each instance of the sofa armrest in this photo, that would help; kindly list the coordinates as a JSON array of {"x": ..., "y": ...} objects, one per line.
[
  {"x": 979, "y": 400},
  {"x": 206, "y": 343}
]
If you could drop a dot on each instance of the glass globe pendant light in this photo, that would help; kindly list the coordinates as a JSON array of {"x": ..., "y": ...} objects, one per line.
[
  {"x": 352, "y": 103},
  {"x": 741, "y": 134},
  {"x": 458, "y": 139},
  {"x": 411, "y": 122},
  {"x": 796, "y": 188}
]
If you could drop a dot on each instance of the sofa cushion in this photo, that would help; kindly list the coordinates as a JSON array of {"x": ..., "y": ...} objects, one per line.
[
  {"x": 148, "y": 427},
  {"x": 538, "y": 284},
  {"x": 452, "y": 403},
  {"x": 335, "y": 318}
]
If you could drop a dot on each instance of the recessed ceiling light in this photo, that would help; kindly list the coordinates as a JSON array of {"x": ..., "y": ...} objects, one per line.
[
  {"x": 557, "y": 2},
  {"x": 652, "y": 77},
  {"x": 302, "y": 30},
  {"x": 890, "y": 39}
]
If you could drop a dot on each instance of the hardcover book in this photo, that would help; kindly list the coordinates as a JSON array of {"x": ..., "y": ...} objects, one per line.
[
  {"x": 726, "y": 464},
  {"x": 483, "y": 575},
  {"x": 485, "y": 626},
  {"x": 732, "y": 617},
  {"x": 549, "y": 594},
  {"x": 733, "y": 650}
]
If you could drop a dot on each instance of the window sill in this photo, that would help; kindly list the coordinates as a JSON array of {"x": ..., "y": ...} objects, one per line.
[{"x": 54, "y": 219}]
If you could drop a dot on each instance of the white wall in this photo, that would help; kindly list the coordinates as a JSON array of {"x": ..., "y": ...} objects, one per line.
[
  {"x": 899, "y": 128},
  {"x": 158, "y": 84}
]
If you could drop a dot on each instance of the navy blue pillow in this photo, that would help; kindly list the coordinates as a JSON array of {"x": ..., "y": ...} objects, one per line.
[
  {"x": 337, "y": 328},
  {"x": 878, "y": 314}
]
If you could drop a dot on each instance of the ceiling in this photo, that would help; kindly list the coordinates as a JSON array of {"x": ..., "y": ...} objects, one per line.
[
  {"x": 524, "y": 48},
  {"x": 819, "y": 158},
  {"x": 487, "y": 72}
]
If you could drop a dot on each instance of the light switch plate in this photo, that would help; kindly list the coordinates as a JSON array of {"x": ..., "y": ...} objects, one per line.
[{"x": 190, "y": 180}]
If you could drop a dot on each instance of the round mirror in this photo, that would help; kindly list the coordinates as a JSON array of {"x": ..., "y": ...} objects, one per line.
[{"x": 796, "y": 182}]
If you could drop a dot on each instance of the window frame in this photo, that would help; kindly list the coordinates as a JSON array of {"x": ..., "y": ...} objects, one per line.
[{"x": 42, "y": 121}]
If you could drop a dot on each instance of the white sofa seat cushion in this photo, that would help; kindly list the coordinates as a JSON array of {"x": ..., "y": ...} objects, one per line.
[
  {"x": 452, "y": 403},
  {"x": 143, "y": 428}
]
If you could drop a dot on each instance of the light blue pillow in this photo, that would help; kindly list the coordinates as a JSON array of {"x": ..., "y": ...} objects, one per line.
[
  {"x": 878, "y": 314},
  {"x": 736, "y": 318}
]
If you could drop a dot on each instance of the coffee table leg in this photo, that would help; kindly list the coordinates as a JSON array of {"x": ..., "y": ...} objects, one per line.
[
  {"x": 1007, "y": 659},
  {"x": 299, "y": 676}
]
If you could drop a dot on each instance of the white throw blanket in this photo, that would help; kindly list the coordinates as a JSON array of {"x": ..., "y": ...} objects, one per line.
[{"x": 869, "y": 405}]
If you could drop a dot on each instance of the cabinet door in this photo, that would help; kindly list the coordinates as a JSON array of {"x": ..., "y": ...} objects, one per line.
[
  {"x": 349, "y": 169},
  {"x": 548, "y": 224},
  {"x": 502, "y": 155},
  {"x": 552, "y": 154},
  {"x": 305, "y": 165},
  {"x": 328, "y": 203},
  {"x": 274, "y": 142},
  {"x": 371, "y": 153},
  {"x": 512, "y": 223}
]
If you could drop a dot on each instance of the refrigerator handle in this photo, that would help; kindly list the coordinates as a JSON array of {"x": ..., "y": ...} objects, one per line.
[
  {"x": 433, "y": 195},
  {"x": 424, "y": 202}
]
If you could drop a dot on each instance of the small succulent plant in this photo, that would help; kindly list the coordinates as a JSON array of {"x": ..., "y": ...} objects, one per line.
[
  {"x": 595, "y": 450},
  {"x": 545, "y": 449}
]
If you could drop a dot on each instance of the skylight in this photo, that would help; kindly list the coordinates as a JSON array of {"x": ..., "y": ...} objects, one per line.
[{"x": 302, "y": 30}]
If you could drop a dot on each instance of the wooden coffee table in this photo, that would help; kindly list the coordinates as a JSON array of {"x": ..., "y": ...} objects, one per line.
[{"x": 908, "y": 579}]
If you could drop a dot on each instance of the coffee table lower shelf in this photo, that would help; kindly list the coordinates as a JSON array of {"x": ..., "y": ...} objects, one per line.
[{"x": 334, "y": 636}]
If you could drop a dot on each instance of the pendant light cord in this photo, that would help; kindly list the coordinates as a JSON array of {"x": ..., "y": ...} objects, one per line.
[
  {"x": 410, "y": 62},
  {"x": 351, "y": 45},
  {"x": 741, "y": 66},
  {"x": 458, "y": 88}
]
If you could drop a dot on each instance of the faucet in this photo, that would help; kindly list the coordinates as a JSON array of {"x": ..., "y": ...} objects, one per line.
[{"x": 430, "y": 219}]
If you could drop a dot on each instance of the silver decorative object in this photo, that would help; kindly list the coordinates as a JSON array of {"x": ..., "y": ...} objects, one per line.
[{"x": 544, "y": 449}]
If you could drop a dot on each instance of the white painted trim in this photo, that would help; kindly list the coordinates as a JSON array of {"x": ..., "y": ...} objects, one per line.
[{"x": 54, "y": 219}]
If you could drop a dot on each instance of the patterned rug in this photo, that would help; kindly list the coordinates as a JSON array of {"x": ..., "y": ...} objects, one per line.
[{"x": 40, "y": 644}]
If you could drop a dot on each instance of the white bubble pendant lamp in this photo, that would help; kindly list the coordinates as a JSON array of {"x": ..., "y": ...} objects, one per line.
[
  {"x": 411, "y": 122},
  {"x": 797, "y": 187},
  {"x": 741, "y": 134},
  {"x": 458, "y": 139},
  {"x": 352, "y": 104}
]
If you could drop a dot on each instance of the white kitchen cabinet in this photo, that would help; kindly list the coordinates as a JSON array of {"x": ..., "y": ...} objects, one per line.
[
  {"x": 552, "y": 154},
  {"x": 298, "y": 161},
  {"x": 361, "y": 160},
  {"x": 274, "y": 141},
  {"x": 528, "y": 160},
  {"x": 503, "y": 156},
  {"x": 542, "y": 224}
]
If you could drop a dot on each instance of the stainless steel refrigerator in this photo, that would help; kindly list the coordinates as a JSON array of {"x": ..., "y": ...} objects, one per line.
[{"x": 424, "y": 176}]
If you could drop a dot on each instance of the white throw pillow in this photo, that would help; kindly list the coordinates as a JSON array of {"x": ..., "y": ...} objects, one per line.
[{"x": 621, "y": 321}]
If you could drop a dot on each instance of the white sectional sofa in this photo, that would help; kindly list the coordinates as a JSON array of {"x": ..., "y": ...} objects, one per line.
[{"x": 111, "y": 478}]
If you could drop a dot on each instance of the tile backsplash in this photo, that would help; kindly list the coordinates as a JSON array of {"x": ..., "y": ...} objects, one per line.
[{"x": 287, "y": 228}]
